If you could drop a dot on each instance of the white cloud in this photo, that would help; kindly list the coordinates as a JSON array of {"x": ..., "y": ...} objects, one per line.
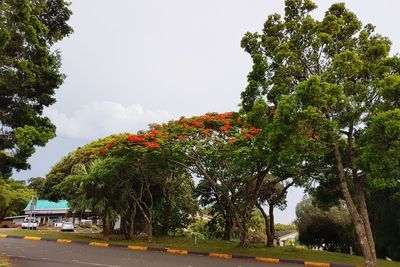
[{"x": 99, "y": 119}]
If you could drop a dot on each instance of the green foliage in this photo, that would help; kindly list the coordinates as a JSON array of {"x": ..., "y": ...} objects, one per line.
[
  {"x": 385, "y": 218},
  {"x": 328, "y": 229},
  {"x": 37, "y": 184},
  {"x": 14, "y": 196},
  {"x": 63, "y": 168},
  {"x": 285, "y": 227},
  {"x": 29, "y": 74},
  {"x": 333, "y": 86}
]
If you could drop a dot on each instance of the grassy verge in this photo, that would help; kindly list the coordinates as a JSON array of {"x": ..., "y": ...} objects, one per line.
[
  {"x": 4, "y": 262},
  {"x": 214, "y": 246}
]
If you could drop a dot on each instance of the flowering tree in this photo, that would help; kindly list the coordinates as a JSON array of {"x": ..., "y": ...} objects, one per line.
[{"x": 227, "y": 154}]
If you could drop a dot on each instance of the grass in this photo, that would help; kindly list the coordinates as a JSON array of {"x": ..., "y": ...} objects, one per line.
[
  {"x": 4, "y": 262},
  {"x": 214, "y": 246}
]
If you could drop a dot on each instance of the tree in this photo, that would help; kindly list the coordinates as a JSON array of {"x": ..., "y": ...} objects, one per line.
[
  {"x": 37, "y": 184},
  {"x": 95, "y": 187},
  {"x": 29, "y": 74},
  {"x": 63, "y": 168},
  {"x": 14, "y": 197},
  {"x": 274, "y": 197},
  {"x": 329, "y": 229},
  {"x": 324, "y": 79}
]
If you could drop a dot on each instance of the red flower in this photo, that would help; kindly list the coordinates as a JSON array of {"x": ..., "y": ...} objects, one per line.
[
  {"x": 181, "y": 120},
  {"x": 181, "y": 137},
  {"x": 225, "y": 128},
  {"x": 103, "y": 151},
  {"x": 247, "y": 136},
  {"x": 152, "y": 145},
  {"x": 232, "y": 140},
  {"x": 198, "y": 123},
  {"x": 207, "y": 131},
  {"x": 256, "y": 130},
  {"x": 154, "y": 133},
  {"x": 134, "y": 138}
]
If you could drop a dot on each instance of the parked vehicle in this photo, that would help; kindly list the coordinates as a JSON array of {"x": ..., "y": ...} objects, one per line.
[
  {"x": 29, "y": 224},
  {"x": 67, "y": 226}
]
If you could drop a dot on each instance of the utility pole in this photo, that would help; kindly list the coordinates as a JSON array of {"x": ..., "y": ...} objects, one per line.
[{"x": 32, "y": 208}]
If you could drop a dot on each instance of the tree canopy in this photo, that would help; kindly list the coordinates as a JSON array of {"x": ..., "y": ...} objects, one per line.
[
  {"x": 327, "y": 79},
  {"x": 29, "y": 75}
]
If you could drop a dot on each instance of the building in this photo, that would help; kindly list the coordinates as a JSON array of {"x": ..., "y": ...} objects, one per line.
[
  {"x": 13, "y": 221},
  {"x": 286, "y": 238},
  {"x": 48, "y": 212}
]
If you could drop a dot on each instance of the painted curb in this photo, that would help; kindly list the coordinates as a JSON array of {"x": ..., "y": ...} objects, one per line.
[
  {"x": 177, "y": 251},
  {"x": 220, "y": 255},
  {"x": 64, "y": 241},
  {"x": 98, "y": 244},
  {"x": 35, "y": 238},
  {"x": 269, "y": 260},
  {"x": 182, "y": 251},
  {"x": 137, "y": 248}
]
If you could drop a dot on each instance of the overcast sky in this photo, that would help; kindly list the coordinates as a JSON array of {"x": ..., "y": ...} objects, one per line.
[{"x": 130, "y": 63}]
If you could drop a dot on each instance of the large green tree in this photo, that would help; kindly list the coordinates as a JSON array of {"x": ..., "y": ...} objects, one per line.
[
  {"x": 29, "y": 74},
  {"x": 329, "y": 229},
  {"x": 14, "y": 196},
  {"x": 324, "y": 79}
]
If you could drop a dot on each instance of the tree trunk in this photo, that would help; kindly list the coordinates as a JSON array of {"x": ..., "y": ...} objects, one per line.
[
  {"x": 166, "y": 213},
  {"x": 124, "y": 225},
  {"x": 228, "y": 229},
  {"x": 149, "y": 227},
  {"x": 357, "y": 219},
  {"x": 131, "y": 226},
  {"x": 106, "y": 229},
  {"x": 270, "y": 242},
  {"x": 367, "y": 225},
  {"x": 267, "y": 228},
  {"x": 243, "y": 230}
]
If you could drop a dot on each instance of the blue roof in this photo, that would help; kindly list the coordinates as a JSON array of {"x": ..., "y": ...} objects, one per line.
[{"x": 48, "y": 205}]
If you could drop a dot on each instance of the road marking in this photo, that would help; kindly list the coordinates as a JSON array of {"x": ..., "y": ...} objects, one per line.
[
  {"x": 36, "y": 238},
  {"x": 139, "y": 248},
  {"x": 316, "y": 264},
  {"x": 270, "y": 260},
  {"x": 220, "y": 255},
  {"x": 3, "y": 236},
  {"x": 95, "y": 264},
  {"x": 64, "y": 241},
  {"x": 177, "y": 251},
  {"x": 98, "y": 244}
]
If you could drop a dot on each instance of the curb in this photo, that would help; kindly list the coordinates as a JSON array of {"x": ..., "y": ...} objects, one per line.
[{"x": 181, "y": 251}]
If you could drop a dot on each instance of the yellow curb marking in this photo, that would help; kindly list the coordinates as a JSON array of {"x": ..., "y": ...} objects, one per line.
[
  {"x": 98, "y": 244},
  {"x": 177, "y": 251},
  {"x": 64, "y": 241},
  {"x": 316, "y": 264},
  {"x": 219, "y": 255},
  {"x": 139, "y": 248},
  {"x": 270, "y": 260},
  {"x": 3, "y": 236},
  {"x": 36, "y": 238}
]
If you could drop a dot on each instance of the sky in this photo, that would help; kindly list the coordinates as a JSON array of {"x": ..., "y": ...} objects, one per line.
[{"x": 131, "y": 63}]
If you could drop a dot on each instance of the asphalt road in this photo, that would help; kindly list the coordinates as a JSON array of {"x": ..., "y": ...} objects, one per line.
[{"x": 24, "y": 253}]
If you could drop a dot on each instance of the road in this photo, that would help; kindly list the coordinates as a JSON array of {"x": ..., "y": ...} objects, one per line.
[{"x": 24, "y": 253}]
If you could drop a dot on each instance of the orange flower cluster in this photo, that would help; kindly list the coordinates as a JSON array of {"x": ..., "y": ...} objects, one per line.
[
  {"x": 152, "y": 145},
  {"x": 207, "y": 131},
  {"x": 232, "y": 140},
  {"x": 248, "y": 136},
  {"x": 135, "y": 138}
]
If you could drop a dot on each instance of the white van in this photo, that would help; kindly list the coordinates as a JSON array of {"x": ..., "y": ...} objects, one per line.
[{"x": 33, "y": 224}]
